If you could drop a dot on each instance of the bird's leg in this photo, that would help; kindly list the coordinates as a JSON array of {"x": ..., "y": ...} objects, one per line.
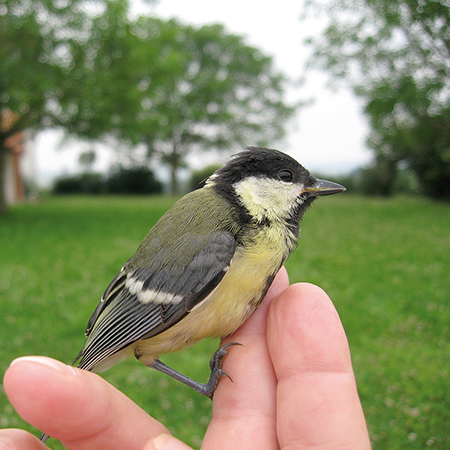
[{"x": 215, "y": 365}]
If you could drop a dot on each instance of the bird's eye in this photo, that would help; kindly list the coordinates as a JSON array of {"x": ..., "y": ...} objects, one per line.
[{"x": 285, "y": 175}]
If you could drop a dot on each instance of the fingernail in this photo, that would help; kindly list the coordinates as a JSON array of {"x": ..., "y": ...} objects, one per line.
[
  {"x": 49, "y": 362},
  {"x": 168, "y": 442}
]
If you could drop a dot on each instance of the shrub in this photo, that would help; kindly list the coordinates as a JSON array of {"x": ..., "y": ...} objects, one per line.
[
  {"x": 85, "y": 183},
  {"x": 138, "y": 180},
  {"x": 135, "y": 180}
]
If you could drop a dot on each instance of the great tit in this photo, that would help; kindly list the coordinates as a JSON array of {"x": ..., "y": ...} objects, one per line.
[{"x": 205, "y": 266}]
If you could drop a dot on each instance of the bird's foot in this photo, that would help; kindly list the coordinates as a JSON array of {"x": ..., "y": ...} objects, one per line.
[
  {"x": 215, "y": 364},
  {"x": 217, "y": 372}
]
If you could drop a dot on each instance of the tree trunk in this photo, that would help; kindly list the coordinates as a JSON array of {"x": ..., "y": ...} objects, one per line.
[
  {"x": 174, "y": 187},
  {"x": 175, "y": 160}
]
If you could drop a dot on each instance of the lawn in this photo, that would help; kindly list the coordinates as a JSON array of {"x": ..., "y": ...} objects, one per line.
[{"x": 385, "y": 264}]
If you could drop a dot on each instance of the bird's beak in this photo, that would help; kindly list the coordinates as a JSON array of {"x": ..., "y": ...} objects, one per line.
[{"x": 324, "y": 187}]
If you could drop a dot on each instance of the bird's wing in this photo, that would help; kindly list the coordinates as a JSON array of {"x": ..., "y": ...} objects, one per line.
[{"x": 143, "y": 302}]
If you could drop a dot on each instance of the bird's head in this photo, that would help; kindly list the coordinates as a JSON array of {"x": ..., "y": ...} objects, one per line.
[{"x": 270, "y": 185}]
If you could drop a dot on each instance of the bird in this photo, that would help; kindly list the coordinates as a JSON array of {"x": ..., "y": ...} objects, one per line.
[{"x": 205, "y": 266}]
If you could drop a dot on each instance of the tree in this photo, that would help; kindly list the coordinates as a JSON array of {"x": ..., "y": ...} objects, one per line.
[
  {"x": 396, "y": 56},
  {"x": 87, "y": 159},
  {"x": 86, "y": 66},
  {"x": 184, "y": 89},
  {"x": 41, "y": 42}
]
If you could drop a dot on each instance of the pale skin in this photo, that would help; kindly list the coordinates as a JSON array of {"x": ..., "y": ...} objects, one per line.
[{"x": 293, "y": 388}]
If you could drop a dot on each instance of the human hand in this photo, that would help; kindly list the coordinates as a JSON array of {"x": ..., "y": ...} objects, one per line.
[{"x": 293, "y": 387}]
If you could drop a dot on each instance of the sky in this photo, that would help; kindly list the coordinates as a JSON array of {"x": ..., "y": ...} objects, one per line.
[{"x": 327, "y": 137}]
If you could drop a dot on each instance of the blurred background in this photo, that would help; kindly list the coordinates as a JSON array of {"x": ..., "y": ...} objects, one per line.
[
  {"x": 348, "y": 88},
  {"x": 112, "y": 109}
]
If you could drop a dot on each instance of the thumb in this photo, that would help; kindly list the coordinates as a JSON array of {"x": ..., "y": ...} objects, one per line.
[{"x": 77, "y": 407}]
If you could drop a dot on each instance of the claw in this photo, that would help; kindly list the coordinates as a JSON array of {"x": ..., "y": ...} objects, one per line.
[
  {"x": 222, "y": 373},
  {"x": 216, "y": 360}
]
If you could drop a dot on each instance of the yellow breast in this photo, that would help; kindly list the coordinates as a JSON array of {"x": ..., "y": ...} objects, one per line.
[{"x": 227, "y": 307}]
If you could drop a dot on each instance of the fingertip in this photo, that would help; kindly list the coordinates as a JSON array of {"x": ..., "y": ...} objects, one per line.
[
  {"x": 311, "y": 291},
  {"x": 304, "y": 330},
  {"x": 26, "y": 381},
  {"x": 45, "y": 361}
]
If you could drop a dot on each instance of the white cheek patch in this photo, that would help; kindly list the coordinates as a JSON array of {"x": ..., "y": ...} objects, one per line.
[{"x": 266, "y": 197}]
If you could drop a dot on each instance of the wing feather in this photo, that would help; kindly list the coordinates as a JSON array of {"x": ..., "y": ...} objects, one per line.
[{"x": 143, "y": 302}]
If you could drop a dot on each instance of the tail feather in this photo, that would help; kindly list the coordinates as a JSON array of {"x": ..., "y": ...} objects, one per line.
[{"x": 44, "y": 438}]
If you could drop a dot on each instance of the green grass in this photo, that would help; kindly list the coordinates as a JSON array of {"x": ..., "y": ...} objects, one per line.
[{"x": 385, "y": 264}]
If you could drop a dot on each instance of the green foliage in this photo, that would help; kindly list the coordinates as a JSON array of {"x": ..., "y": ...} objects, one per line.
[
  {"x": 134, "y": 180},
  {"x": 84, "y": 183},
  {"x": 178, "y": 89},
  {"x": 121, "y": 180},
  {"x": 89, "y": 68},
  {"x": 378, "y": 179},
  {"x": 396, "y": 56},
  {"x": 383, "y": 262},
  {"x": 41, "y": 45}
]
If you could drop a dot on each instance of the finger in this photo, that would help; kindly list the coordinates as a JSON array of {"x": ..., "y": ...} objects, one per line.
[
  {"x": 317, "y": 399},
  {"x": 77, "y": 407},
  {"x": 244, "y": 410},
  {"x": 13, "y": 439}
]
